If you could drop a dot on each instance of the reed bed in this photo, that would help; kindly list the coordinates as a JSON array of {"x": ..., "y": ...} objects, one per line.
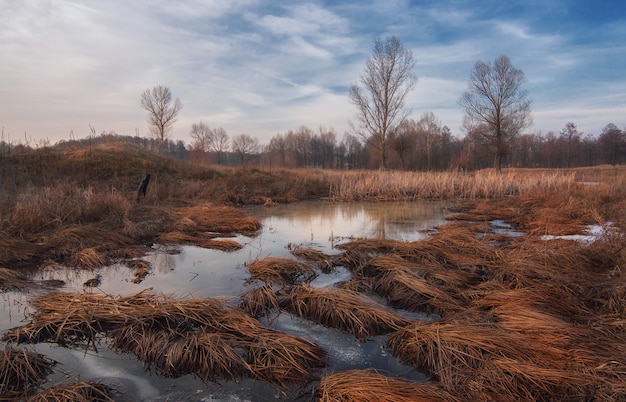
[
  {"x": 194, "y": 336},
  {"x": 21, "y": 371},
  {"x": 281, "y": 270},
  {"x": 393, "y": 185},
  {"x": 370, "y": 386},
  {"x": 78, "y": 391},
  {"x": 342, "y": 309}
]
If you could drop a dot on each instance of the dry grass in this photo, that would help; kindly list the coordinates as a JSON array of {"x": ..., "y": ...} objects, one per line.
[
  {"x": 392, "y": 185},
  {"x": 22, "y": 370},
  {"x": 281, "y": 270},
  {"x": 461, "y": 356},
  {"x": 324, "y": 262},
  {"x": 12, "y": 280},
  {"x": 200, "y": 336},
  {"x": 260, "y": 301},
  {"x": 342, "y": 309},
  {"x": 370, "y": 386},
  {"x": 78, "y": 391}
]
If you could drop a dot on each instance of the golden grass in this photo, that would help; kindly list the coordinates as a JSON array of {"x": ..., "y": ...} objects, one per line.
[
  {"x": 78, "y": 391},
  {"x": 522, "y": 318},
  {"x": 342, "y": 309},
  {"x": 22, "y": 370},
  {"x": 282, "y": 270},
  {"x": 459, "y": 355},
  {"x": 370, "y": 386},
  {"x": 199, "y": 336},
  {"x": 394, "y": 185}
]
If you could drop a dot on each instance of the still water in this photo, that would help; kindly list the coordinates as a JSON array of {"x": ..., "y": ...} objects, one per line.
[{"x": 196, "y": 272}]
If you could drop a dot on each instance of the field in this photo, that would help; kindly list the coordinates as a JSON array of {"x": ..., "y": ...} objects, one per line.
[{"x": 539, "y": 316}]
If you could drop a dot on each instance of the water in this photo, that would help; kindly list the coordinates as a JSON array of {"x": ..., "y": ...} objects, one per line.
[{"x": 196, "y": 272}]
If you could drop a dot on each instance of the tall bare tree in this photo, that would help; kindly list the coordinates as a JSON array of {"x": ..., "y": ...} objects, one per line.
[
  {"x": 244, "y": 146},
  {"x": 218, "y": 142},
  {"x": 496, "y": 104},
  {"x": 200, "y": 133},
  {"x": 387, "y": 79},
  {"x": 571, "y": 136},
  {"x": 162, "y": 110}
]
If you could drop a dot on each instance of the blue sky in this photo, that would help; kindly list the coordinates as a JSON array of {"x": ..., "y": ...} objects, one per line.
[{"x": 264, "y": 67}]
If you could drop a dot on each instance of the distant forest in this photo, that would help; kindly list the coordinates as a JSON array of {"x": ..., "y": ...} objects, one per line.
[{"x": 422, "y": 145}]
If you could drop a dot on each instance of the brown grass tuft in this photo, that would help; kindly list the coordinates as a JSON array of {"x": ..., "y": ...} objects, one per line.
[
  {"x": 12, "y": 280},
  {"x": 79, "y": 391},
  {"x": 200, "y": 336},
  {"x": 370, "y": 386},
  {"x": 259, "y": 301},
  {"x": 21, "y": 370},
  {"x": 342, "y": 309},
  {"x": 280, "y": 269},
  {"x": 324, "y": 262}
]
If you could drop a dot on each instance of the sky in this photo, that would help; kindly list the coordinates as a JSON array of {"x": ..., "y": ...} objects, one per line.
[{"x": 262, "y": 67}]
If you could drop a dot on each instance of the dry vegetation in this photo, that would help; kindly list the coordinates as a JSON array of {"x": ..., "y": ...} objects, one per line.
[
  {"x": 201, "y": 336},
  {"x": 511, "y": 317}
]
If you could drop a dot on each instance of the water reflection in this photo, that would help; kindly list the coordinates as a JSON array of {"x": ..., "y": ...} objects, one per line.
[{"x": 197, "y": 272}]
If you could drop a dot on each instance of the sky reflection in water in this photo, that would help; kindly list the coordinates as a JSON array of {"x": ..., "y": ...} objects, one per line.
[{"x": 197, "y": 272}]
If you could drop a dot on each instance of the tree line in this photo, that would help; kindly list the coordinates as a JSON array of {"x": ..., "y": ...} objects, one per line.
[{"x": 384, "y": 136}]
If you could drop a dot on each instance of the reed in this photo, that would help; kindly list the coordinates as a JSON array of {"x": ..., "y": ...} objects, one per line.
[
  {"x": 281, "y": 270},
  {"x": 370, "y": 386},
  {"x": 393, "y": 185},
  {"x": 342, "y": 309}
]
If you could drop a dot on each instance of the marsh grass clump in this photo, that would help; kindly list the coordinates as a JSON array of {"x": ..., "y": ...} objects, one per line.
[
  {"x": 174, "y": 337},
  {"x": 370, "y": 386},
  {"x": 342, "y": 309},
  {"x": 12, "y": 280},
  {"x": 259, "y": 301},
  {"x": 324, "y": 262},
  {"x": 22, "y": 370},
  {"x": 282, "y": 270},
  {"x": 458, "y": 355},
  {"x": 78, "y": 391}
]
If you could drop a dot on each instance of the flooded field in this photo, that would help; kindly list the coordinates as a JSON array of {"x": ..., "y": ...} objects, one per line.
[{"x": 193, "y": 272}]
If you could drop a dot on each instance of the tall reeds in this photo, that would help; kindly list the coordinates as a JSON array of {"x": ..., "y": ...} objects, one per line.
[{"x": 393, "y": 185}]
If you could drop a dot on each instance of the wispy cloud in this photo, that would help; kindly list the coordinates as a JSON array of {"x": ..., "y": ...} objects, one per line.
[{"x": 264, "y": 67}]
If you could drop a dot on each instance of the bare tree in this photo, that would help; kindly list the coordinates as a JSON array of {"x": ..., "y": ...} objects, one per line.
[
  {"x": 162, "y": 110},
  {"x": 570, "y": 135},
  {"x": 244, "y": 146},
  {"x": 496, "y": 103},
  {"x": 200, "y": 133},
  {"x": 387, "y": 79},
  {"x": 218, "y": 142}
]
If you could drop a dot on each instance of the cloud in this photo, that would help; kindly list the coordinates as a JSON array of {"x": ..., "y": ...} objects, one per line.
[{"x": 262, "y": 67}]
